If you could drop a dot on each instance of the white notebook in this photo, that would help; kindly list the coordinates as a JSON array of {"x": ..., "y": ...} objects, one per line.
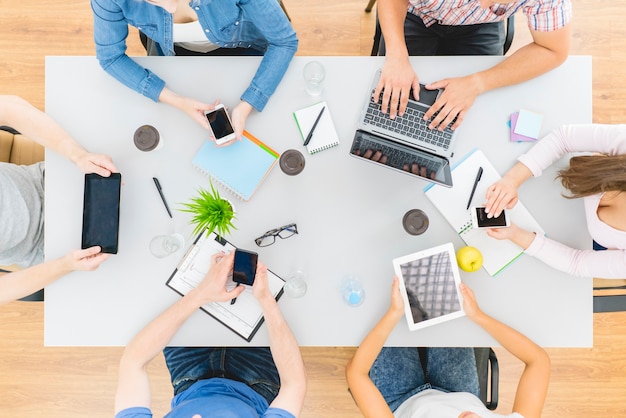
[
  {"x": 452, "y": 203},
  {"x": 325, "y": 135}
]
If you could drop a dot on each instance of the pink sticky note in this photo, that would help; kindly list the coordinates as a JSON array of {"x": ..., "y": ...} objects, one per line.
[{"x": 517, "y": 137}]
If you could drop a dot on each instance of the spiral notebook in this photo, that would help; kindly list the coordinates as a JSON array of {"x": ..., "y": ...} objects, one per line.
[
  {"x": 452, "y": 203},
  {"x": 240, "y": 167},
  {"x": 325, "y": 135},
  {"x": 245, "y": 317}
]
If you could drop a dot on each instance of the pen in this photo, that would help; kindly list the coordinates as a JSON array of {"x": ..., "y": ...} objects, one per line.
[
  {"x": 310, "y": 135},
  {"x": 233, "y": 300},
  {"x": 158, "y": 186},
  {"x": 478, "y": 176}
]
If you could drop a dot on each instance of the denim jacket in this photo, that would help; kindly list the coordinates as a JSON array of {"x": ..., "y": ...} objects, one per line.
[{"x": 228, "y": 23}]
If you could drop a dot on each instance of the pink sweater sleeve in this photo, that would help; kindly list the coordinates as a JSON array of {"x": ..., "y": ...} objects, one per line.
[
  {"x": 609, "y": 264},
  {"x": 606, "y": 139}
]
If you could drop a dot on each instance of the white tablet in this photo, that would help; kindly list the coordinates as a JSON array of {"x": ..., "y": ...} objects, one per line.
[{"x": 429, "y": 283}]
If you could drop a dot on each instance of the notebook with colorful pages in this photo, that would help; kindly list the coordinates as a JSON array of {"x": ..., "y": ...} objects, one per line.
[
  {"x": 243, "y": 317},
  {"x": 325, "y": 135},
  {"x": 452, "y": 203},
  {"x": 240, "y": 167}
]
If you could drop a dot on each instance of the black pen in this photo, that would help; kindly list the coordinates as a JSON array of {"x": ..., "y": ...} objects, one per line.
[
  {"x": 233, "y": 300},
  {"x": 478, "y": 176},
  {"x": 158, "y": 186},
  {"x": 310, "y": 135}
]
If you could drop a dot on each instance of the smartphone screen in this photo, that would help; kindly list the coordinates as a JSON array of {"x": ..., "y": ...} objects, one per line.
[
  {"x": 220, "y": 123},
  {"x": 244, "y": 268},
  {"x": 101, "y": 211},
  {"x": 484, "y": 222}
]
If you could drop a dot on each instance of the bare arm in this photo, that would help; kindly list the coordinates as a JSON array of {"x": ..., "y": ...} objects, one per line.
[
  {"x": 41, "y": 128},
  {"x": 398, "y": 76},
  {"x": 22, "y": 283},
  {"x": 547, "y": 51},
  {"x": 284, "y": 348},
  {"x": 533, "y": 384},
  {"x": 367, "y": 396},
  {"x": 133, "y": 384}
]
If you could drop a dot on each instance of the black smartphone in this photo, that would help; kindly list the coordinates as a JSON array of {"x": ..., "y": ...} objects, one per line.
[
  {"x": 101, "y": 211},
  {"x": 244, "y": 268}
]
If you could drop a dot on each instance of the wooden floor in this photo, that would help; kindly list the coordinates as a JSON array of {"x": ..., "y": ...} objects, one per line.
[{"x": 79, "y": 382}]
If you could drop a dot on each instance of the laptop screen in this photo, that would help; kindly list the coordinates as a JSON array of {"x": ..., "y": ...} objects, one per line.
[{"x": 401, "y": 157}]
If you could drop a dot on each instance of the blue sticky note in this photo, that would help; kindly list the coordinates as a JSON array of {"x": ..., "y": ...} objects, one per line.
[{"x": 528, "y": 124}]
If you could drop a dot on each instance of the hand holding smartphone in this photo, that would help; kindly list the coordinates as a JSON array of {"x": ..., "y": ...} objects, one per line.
[
  {"x": 220, "y": 124},
  {"x": 480, "y": 219}
]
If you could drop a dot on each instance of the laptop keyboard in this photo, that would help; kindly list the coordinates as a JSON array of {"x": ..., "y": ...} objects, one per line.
[
  {"x": 412, "y": 124},
  {"x": 394, "y": 155}
]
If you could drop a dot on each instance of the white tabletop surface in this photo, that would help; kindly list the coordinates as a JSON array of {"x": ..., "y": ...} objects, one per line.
[{"x": 348, "y": 212}]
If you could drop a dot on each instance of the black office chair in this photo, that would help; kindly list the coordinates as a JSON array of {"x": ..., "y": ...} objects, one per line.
[
  {"x": 508, "y": 40},
  {"x": 609, "y": 303},
  {"x": 38, "y": 296}
]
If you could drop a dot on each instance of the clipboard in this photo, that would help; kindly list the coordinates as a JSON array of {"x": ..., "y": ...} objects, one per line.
[{"x": 244, "y": 317}]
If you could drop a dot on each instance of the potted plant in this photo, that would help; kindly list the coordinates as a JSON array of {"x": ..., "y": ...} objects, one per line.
[{"x": 211, "y": 211}]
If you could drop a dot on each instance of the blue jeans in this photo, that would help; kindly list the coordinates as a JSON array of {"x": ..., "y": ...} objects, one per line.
[
  {"x": 481, "y": 39},
  {"x": 398, "y": 375},
  {"x": 253, "y": 366}
]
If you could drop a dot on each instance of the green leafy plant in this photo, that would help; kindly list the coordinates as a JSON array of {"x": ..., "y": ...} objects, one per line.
[{"x": 211, "y": 211}]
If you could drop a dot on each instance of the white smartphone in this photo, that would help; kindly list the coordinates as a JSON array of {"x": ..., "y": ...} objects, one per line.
[
  {"x": 220, "y": 124},
  {"x": 480, "y": 219}
]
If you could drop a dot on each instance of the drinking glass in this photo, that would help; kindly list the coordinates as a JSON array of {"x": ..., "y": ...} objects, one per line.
[
  {"x": 295, "y": 286},
  {"x": 163, "y": 245},
  {"x": 314, "y": 75}
]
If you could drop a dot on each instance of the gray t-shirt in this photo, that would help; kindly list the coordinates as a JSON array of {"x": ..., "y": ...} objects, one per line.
[{"x": 21, "y": 214}]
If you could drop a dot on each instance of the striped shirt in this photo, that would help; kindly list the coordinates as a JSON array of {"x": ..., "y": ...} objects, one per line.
[{"x": 543, "y": 15}]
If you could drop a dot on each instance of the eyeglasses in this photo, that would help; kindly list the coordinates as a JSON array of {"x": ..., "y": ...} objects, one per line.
[{"x": 283, "y": 232}]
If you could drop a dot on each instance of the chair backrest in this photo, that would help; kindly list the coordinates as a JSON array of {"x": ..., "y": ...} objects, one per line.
[
  {"x": 17, "y": 149},
  {"x": 488, "y": 374}
]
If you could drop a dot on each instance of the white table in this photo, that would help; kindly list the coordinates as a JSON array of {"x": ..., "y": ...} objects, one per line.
[{"x": 348, "y": 212}]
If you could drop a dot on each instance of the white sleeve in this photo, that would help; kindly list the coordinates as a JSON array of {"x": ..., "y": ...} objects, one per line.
[
  {"x": 608, "y": 264},
  {"x": 606, "y": 139}
]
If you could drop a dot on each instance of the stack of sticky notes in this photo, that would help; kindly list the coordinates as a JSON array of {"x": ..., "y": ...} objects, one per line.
[{"x": 525, "y": 125}]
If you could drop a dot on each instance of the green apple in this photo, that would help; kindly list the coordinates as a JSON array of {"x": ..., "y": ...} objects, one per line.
[{"x": 469, "y": 258}]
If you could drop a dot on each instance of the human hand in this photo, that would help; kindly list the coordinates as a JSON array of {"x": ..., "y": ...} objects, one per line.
[
  {"x": 470, "y": 306},
  {"x": 379, "y": 157},
  {"x": 396, "y": 80},
  {"x": 458, "y": 96},
  {"x": 95, "y": 163},
  {"x": 239, "y": 116},
  {"x": 260, "y": 288},
  {"x": 500, "y": 195},
  {"x": 213, "y": 286},
  {"x": 370, "y": 154},
  {"x": 196, "y": 109},
  {"x": 88, "y": 259},
  {"x": 397, "y": 303}
]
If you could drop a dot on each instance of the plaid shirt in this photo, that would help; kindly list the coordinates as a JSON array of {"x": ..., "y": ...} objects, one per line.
[{"x": 543, "y": 15}]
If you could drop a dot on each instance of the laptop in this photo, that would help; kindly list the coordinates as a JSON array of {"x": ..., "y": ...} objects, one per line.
[
  {"x": 405, "y": 142},
  {"x": 429, "y": 283}
]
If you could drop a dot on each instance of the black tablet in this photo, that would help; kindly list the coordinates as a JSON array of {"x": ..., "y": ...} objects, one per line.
[{"x": 101, "y": 211}]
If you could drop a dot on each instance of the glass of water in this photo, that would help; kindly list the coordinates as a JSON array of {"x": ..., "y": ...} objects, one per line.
[
  {"x": 163, "y": 245},
  {"x": 314, "y": 75},
  {"x": 296, "y": 286}
]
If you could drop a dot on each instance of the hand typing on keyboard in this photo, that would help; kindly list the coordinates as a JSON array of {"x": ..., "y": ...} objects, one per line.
[
  {"x": 450, "y": 108},
  {"x": 412, "y": 167}
]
